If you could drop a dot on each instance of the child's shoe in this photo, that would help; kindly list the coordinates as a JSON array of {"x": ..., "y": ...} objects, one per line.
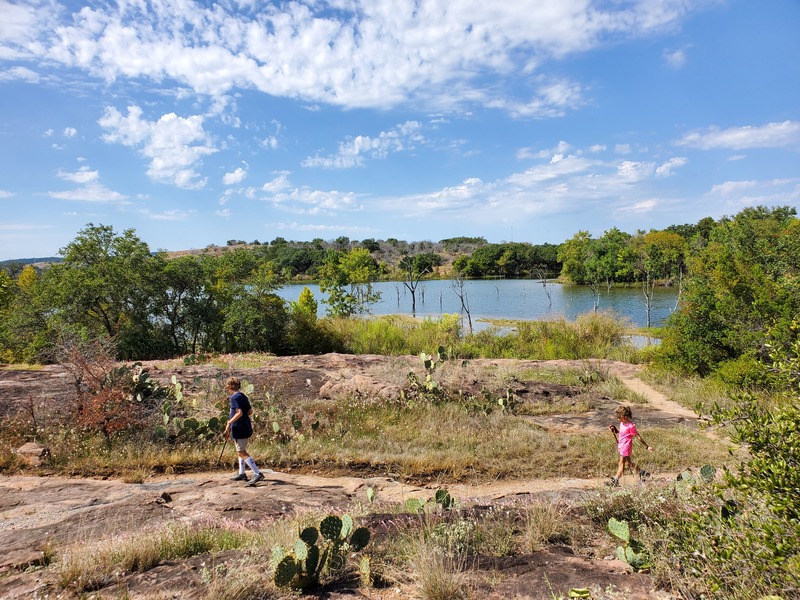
[
  {"x": 613, "y": 482},
  {"x": 644, "y": 475}
]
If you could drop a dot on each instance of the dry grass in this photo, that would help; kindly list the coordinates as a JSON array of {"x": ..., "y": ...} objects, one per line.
[
  {"x": 545, "y": 522},
  {"x": 438, "y": 576},
  {"x": 86, "y": 567}
]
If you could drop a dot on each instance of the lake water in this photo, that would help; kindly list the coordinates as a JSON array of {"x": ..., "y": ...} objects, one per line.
[{"x": 519, "y": 299}]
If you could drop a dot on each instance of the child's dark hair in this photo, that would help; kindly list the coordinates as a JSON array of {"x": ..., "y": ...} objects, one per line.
[{"x": 623, "y": 411}]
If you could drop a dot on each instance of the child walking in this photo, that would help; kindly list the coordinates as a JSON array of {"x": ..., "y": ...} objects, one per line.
[
  {"x": 240, "y": 428},
  {"x": 627, "y": 433}
]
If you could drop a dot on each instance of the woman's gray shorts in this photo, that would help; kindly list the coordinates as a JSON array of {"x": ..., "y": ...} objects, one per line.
[{"x": 241, "y": 444}]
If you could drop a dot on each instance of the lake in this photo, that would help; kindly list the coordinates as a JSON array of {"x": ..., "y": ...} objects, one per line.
[{"x": 519, "y": 299}]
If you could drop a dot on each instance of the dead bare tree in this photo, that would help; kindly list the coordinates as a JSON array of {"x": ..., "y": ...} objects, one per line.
[
  {"x": 458, "y": 284},
  {"x": 542, "y": 275}
]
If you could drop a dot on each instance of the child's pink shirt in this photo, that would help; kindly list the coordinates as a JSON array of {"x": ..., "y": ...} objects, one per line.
[{"x": 627, "y": 432}]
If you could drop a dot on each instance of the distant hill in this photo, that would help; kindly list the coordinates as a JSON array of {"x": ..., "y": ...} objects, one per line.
[{"x": 30, "y": 261}]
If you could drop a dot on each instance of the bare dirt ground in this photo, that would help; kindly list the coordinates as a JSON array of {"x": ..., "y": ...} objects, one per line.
[{"x": 37, "y": 512}]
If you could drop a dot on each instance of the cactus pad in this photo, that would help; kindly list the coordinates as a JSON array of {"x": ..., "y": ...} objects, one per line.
[
  {"x": 619, "y": 529},
  {"x": 312, "y": 561},
  {"x": 309, "y": 535},
  {"x": 285, "y": 571},
  {"x": 330, "y": 527},
  {"x": 347, "y": 526},
  {"x": 707, "y": 472},
  {"x": 360, "y": 539},
  {"x": 300, "y": 550}
]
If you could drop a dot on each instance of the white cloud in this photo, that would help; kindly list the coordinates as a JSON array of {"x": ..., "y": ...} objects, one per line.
[
  {"x": 166, "y": 215},
  {"x": 352, "y": 151},
  {"x": 732, "y": 187},
  {"x": 225, "y": 213},
  {"x": 629, "y": 170},
  {"x": 552, "y": 100},
  {"x": 83, "y": 175},
  {"x": 270, "y": 142},
  {"x": 70, "y": 132},
  {"x": 353, "y": 53},
  {"x": 20, "y": 74},
  {"x": 622, "y": 149},
  {"x": 278, "y": 184},
  {"x": 174, "y": 145},
  {"x": 644, "y": 206},
  {"x": 234, "y": 177},
  {"x": 6, "y": 194},
  {"x": 91, "y": 192},
  {"x": 304, "y": 200},
  {"x": 560, "y": 184},
  {"x": 666, "y": 169},
  {"x": 675, "y": 59},
  {"x": 294, "y": 226},
  {"x": 771, "y": 135}
]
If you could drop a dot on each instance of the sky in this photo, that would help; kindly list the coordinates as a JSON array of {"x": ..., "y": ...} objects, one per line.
[{"x": 195, "y": 123}]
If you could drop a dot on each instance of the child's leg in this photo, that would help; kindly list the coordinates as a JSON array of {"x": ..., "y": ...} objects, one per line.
[{"x": 620, "y": 467}]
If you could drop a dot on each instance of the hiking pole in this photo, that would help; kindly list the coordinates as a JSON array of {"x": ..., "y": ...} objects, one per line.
[{"x": 223, "y": 450}]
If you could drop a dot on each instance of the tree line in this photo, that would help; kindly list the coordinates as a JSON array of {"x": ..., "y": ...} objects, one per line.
[{"x": 737, "y": 278}]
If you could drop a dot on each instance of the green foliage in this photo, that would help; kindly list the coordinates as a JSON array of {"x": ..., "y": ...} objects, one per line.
[
  {"x": 317, "y": 552},
  {"x": 510, "y": 259},
  {"x": 347, "y": 278},
  {"x": 745, "y": 371},
  {"x": 442, "y": 500},
  {"x": 743, "y": 283},
  {"x": 631, "y": 551},
  {"x": 741, "y": 539}
]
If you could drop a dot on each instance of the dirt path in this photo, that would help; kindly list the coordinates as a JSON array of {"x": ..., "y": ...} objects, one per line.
[{"x": 41, "y": 512}]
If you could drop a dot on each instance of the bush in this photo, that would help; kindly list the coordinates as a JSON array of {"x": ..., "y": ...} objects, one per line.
[{"x": 744, "y": 372}]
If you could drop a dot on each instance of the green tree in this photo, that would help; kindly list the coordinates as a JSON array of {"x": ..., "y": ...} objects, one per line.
[
  {"x": 305, "y": 334},
  {"x": 574, "y": 256},
  {"x": 610, "y": 253},
  {"x": 347, "y": 277},
  {"x": 25, "y": 322},
  {"x": 256, "y": 318},
  {"x": 105, "y": 284},
  {"x": 654, "y": 257},
  {"x": 744, "y": 282},
  {"x": 183, "y": 303}
]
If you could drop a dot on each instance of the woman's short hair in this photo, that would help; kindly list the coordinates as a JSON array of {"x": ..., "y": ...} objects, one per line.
[{"x": 233, "y": 383}]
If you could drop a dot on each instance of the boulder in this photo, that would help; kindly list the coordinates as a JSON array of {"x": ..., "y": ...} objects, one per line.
[
  {"x": 361, "y": 386},
  {"x": 33, "y": 454}
]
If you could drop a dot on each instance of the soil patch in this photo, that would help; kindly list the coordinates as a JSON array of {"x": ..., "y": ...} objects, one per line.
[{"x": 39, "y": 513}]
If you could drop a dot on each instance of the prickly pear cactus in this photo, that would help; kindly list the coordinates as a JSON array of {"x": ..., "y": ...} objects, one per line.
[
  {"x": 331, "y": 527},
  {"x": 286, "y": 571},
  {"x": 444, "y": 499},
  {"x": 619, "y": 529},
  {"x": 347, "y": 526},
  {"x": 359, "y": 539},
  {"x": 309, "y": 535},
  {"x": 707, "y": 472},
  {"x": 278, "y": 554},
  {"x": 317, "y": 551},
  {"x": 300, "y": 550}
]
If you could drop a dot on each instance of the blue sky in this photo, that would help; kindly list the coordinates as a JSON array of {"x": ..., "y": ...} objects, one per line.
[{"x": 517, "y": 120}]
